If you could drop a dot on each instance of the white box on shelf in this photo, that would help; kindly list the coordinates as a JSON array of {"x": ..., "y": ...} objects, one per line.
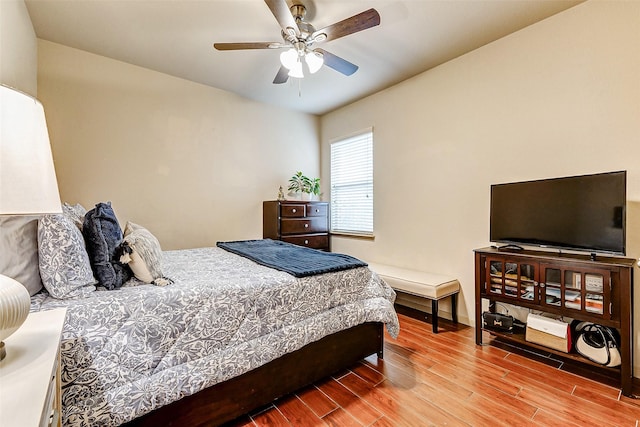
[{"x": 548, "y": 332}]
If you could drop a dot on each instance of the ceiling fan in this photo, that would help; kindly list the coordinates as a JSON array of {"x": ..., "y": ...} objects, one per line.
[{"x": 299, "y": 36}]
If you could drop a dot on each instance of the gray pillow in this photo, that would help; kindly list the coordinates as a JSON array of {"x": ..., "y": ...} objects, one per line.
[
  {"x": 19, "y": 251},
  {"x": 64, "y": 263},
  {"x": 102, "y": 234},
  {"x": 75, "y": 213},
  {"x": 142, "y": 252}
]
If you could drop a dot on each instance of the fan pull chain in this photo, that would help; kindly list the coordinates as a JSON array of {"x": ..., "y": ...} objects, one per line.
[{"x": 299, "y": 88}]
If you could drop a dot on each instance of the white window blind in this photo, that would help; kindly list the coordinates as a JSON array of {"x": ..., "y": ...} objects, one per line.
[{"x": 352, "y": 184}]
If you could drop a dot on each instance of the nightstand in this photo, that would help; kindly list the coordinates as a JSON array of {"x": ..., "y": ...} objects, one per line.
[{"x": 30, "y": 374}]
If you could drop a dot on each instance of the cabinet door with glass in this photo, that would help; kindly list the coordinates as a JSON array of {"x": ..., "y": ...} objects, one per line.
[
  {"x": 582, "y": 290},
  {"x": 512, "y": 279}
]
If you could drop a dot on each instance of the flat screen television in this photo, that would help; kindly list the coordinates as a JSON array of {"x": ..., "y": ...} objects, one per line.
[{"x": 584, "y": 213}]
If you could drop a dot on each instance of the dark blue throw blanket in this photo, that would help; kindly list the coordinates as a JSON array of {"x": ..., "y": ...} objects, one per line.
[{"x": 296, "y": 260}]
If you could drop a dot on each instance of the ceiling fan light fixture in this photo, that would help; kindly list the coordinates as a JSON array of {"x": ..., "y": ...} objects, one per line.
[
  {"x": 296, "y": 70},
  {"x": 314, "y": 61},
  {"x": 298, "y": 37},
  {"x": 289, "y": 58}
]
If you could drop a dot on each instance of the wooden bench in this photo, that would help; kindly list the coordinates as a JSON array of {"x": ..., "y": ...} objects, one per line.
[{"x": 426, "y": 285}]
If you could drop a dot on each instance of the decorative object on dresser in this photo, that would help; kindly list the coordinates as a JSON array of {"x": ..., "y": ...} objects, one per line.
[
  {"x": 303, "y": 187},
  {"x": 561, "y": 284},
  {"x": 299, "y": 222},
  {"x": 28, "y": 186},
  {"x": 30, "y": 395}
]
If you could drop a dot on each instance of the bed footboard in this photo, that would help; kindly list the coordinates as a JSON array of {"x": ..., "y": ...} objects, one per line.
[{"x": 228, "y": 400}]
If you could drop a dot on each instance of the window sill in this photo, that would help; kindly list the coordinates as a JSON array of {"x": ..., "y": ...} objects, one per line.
[{"x": 362, "y": 236}]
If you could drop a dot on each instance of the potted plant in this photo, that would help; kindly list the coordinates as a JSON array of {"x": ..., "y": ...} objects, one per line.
[
  {"x": 315, "y": 188},
  {"x": 298, "y": 184},
  {"x": 303, "y": 186}
]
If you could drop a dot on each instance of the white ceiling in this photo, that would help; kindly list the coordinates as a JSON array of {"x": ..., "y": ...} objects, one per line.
[{"x": 176, "y": 37}]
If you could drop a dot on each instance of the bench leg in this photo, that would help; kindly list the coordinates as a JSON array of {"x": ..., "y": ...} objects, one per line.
[
  {"x": 434, "y": 314},
  {"x": 454, "y": 308}
]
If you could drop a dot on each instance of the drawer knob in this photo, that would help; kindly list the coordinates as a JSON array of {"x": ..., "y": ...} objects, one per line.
[
  {"x": 306, "y": 242},
  {"x": 317, "y": 210},
  {"x": 306, "y": 226},
  {"x": 294, "y": 210}
]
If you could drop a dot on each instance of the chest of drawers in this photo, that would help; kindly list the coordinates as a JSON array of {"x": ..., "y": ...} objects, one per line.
[{"x": 299, "y": 222}]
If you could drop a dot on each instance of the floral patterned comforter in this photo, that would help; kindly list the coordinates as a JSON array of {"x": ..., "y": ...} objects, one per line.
[{"x": 126, "y": 352}]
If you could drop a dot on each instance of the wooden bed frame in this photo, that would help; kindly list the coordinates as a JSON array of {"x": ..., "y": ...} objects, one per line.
[{"x": 238, "y": 396}]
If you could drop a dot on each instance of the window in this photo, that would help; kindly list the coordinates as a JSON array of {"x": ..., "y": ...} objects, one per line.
[{"x": 352, "y": 184}]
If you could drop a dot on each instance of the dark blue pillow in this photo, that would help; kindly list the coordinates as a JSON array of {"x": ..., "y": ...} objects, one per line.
[{"x": 102, "y": 234}]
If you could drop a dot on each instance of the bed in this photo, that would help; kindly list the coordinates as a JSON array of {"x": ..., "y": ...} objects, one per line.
[{"x": 226, "y": 337}]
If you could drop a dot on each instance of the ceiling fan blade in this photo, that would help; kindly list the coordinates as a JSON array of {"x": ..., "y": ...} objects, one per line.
[
  {"x": 362, "y": 21},
  {"x": 341, "y": 65},
  {"x": 251, "y": 45},
  {"x": 282, "y": 76},
  {"x": 283, "y": 15}
]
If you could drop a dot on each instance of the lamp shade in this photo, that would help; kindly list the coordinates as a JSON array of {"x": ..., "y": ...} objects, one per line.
[
  {"x": 314, "y": 61},
  {"x": 289, "y": 58},
  {"x": 296, "y": 71},
  {"x": 28, "y": 184}
]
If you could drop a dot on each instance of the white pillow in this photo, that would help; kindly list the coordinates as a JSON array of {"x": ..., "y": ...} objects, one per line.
[
  {"x": 141, "y": 250},
  {"x": 64, "y": 263}
]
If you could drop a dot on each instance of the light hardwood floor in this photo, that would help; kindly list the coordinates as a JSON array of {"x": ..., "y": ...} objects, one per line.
[{"x": 445, "y": 379}]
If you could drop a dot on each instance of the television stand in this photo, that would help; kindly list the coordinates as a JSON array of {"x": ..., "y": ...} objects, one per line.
[{"x": 568, "y": 285}]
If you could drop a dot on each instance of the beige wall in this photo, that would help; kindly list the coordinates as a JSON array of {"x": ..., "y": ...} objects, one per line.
[
  {"x": 558, "y": 98},
  {"x": 190, "y": 162},
  {"x": 561, "y": 97},
  {"x": 18, "y": 47}
]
